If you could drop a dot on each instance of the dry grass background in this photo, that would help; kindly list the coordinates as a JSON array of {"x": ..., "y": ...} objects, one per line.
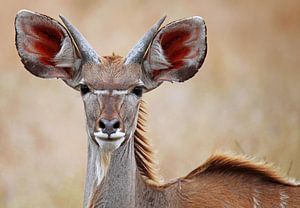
[{"x": 246, "y": 98}]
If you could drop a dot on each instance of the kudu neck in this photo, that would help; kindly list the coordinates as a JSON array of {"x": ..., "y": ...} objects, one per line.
[
  {"x": 91, "y": 171},
  {"x": 117, "y": 189},
  {"x": 129, "y": 169},
  {"x": 114, "y": 182}
]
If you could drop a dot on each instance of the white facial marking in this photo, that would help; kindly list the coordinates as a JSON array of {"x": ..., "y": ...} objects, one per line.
[
  {"x": 119, "y": 92},
  {"x": 109, "y": 143},
  {"x": 113, "y": 92},
  {"x": 82, "y": 81},
  {"x": 101, "y": 92},
  {"x": 117, "y": 135},
  {"x": 100, "y": 134},
  {"x": 141, "y": 83}
]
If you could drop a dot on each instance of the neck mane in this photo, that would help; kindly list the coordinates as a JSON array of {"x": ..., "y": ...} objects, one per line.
[{"x": 143, "y": 149}]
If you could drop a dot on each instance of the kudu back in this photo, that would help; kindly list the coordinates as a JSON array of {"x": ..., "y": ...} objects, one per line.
[{"x": 120, "y": 167}]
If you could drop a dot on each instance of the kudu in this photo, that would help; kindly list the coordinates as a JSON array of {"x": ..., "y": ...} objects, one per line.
[{"x": 120, "y": 170}]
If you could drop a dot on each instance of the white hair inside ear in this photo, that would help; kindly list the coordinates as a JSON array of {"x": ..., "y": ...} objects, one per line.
[
  {"x": 158, "y": 58},
  {"x": 66, "y": 57}
]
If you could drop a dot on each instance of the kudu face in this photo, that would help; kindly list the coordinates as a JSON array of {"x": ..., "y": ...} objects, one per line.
[
  {"x": 111, "y": 92},
  {"x": 111, "y": 86}
]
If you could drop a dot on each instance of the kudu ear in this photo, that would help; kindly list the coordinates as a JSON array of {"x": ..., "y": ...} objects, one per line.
[
  {"x": 45, "y": 47},
  {"x": 177, "y": 51}
]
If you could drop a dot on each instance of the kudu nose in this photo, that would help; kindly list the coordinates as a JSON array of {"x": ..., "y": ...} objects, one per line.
[{"x": 109, "y": 126}]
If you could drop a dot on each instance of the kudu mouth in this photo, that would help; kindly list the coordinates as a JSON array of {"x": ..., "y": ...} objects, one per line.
[
  {"x": 109, "y": 142},
  {"x": 109, "y": 137}
]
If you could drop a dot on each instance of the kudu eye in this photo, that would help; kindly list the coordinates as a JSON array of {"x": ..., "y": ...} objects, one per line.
[
  {"x": 138, "y": 91},
  {"x": 84, "y": 89}
]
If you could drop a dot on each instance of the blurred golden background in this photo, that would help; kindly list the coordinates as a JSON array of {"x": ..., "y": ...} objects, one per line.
[{"x": 246, "y": 98}]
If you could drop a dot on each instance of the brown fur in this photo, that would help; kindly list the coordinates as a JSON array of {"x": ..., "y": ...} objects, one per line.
[
  {"x": 111, "y": 74},
  {"x": 114, "y": 58}
]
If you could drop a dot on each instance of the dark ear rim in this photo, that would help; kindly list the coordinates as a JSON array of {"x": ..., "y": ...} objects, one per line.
[
  {"x": 194, "y": 69},
  {"x": 69, "y": 74}
]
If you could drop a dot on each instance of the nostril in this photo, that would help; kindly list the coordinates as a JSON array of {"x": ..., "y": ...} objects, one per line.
[
  {"x": 109, "y": 127},
  {"x": 116, "y": 125},
  {"x": 102, "y": 124}
]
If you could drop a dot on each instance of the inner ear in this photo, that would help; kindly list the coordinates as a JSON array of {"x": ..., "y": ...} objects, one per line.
[
  {"x": 45, "y": 46},
  {"x": 44, "y": 41},
  {"x": 177, "y": 51},
  {"x": 174, "y": 46}
]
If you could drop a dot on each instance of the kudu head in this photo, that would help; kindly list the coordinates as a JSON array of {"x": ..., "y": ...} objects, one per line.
[{"x": 111, "y": 86}]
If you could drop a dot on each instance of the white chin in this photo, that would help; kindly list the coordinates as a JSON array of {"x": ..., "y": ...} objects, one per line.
[
  {"x": 109, "y": 143},
  {"x": 112, "y": 145}
]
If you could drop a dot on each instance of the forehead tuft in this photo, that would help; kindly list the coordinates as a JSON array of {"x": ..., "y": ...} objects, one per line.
[
  {"x": 112, "y": 59},
  {"x": 111, "y": 73}
]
